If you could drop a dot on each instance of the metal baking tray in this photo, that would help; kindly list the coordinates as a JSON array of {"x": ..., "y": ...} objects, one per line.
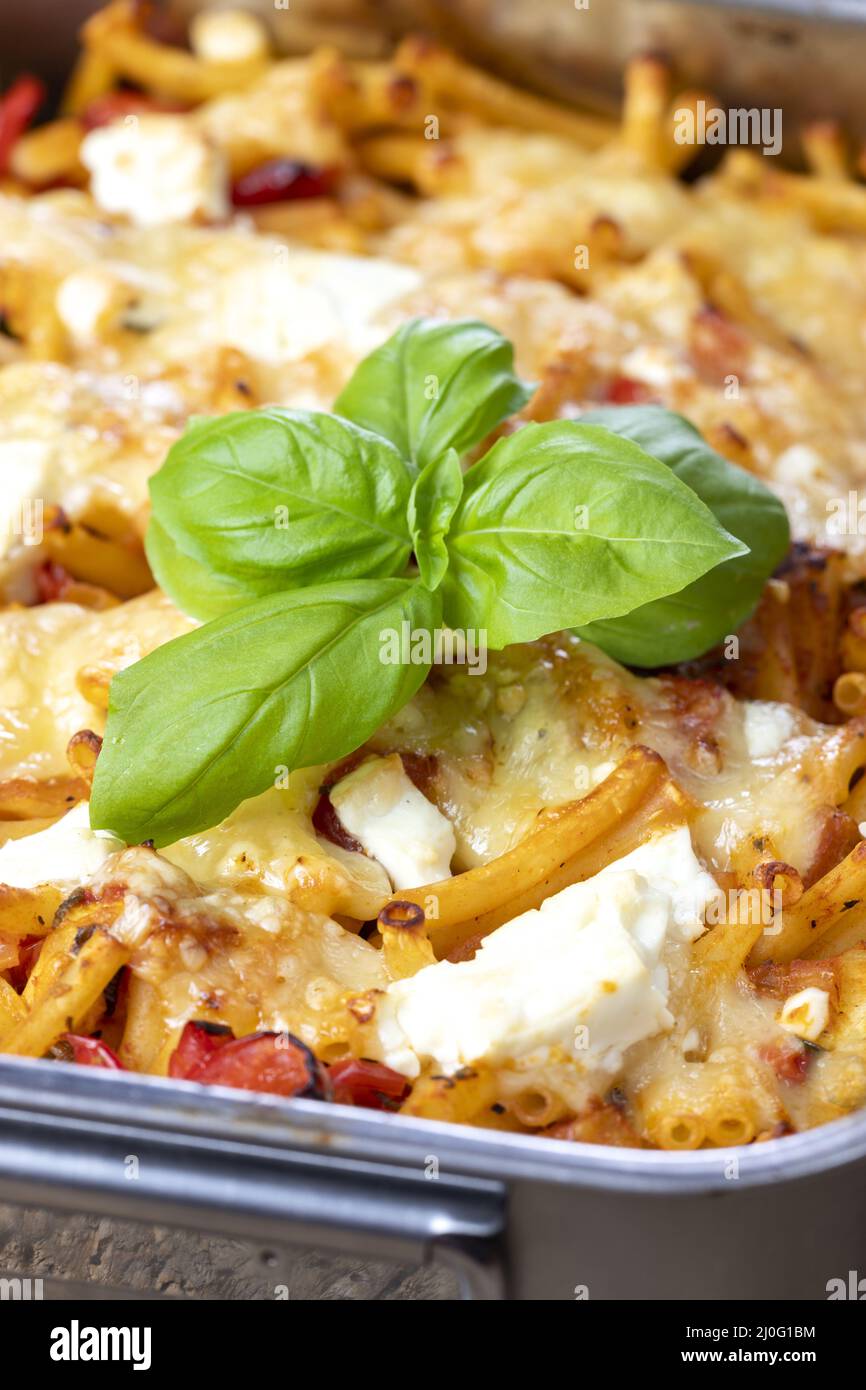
[{"x": 513, "y": 1216}]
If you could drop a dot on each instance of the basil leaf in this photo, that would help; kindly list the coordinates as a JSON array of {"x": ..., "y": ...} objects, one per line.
[
  {"x": 192, "y": 587},
  {"x": 293, "y": 679},
  {"x": 561, "y": 524},
  {"x": 276, "y": 499},
  {"x": 688, "y": 623},
  {"x": 435, "y": 386},
  {"x": 433, "y": 502}
]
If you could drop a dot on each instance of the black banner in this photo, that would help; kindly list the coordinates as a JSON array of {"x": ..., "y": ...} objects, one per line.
[{"x": 162, "y": 1336}]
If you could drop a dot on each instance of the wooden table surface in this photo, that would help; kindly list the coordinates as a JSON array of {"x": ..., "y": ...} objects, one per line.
[{"x": 98, "y": 1258}]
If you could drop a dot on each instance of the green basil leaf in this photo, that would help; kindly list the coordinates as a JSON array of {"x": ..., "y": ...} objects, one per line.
[
  {"x": 194, "y": 588},
  {"x": 435, "y": 386},
  {"x": 688, "y": 623},
  {"x": 561, "y": 524},
  {"x": 434, "y": 500},
  {"x": 293, "y": 679},
  {"x": 277, "y": 499}
]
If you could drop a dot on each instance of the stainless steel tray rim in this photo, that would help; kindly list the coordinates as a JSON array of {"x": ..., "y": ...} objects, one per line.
[{"x": 38, "y": 1092}]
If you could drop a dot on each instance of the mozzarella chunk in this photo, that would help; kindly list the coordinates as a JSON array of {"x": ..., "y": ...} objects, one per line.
[
  {"x": 583, "y": 973},
  {"x": 395, "y": 823},
  {"x": 65, "y": 853},
  {"x": 86, "y": 300},
  {"x": 156, "y": 169},
  {"x": 227, "y": 36},
  {"x": 806, "y": 1013},
  {"x": 296, "y": 302},
  {"x": 767, "y": 726}
]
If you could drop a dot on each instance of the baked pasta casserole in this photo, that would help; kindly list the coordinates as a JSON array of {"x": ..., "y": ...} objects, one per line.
[{"x": 474, "y": 862}]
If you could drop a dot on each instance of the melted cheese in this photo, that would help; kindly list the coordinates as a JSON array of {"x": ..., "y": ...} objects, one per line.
[
  {"x": 269, "y": 844},
  {"x": 499, "y": 761},
  {"x": 42, "y": 651},
  {"x": 248, "y": 961},
  {"x": 184, "y": 294},
  {"x": 77, "y": 438},
  {"x": 303, "y": 317},
  {"x": 578, "y": 712}
]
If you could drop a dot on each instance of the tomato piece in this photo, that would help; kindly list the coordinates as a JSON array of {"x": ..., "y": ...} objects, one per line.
[
  {"x": 115, "y": 105},
  {"x": 789, "y": 1062},
  {"x": 198, "y": 1043},
  {"x": 275, "y": 1063},
  {"x": 52, "y": 581},
  {"x": 626, "y": 390},
  {"x": 279, "y": 181},
  {"x": 18, "y": 106},
  {"x": 28, "y": 954},
  {"x": 92, "y": 1052},
  {"x": 327, "y": 823},
  {"x": 371, "y": 1084},
  {"x": 718, "y": 347}
]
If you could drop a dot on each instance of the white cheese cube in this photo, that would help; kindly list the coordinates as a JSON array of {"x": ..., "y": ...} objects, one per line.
[
  {"x": 156, "y": 169},
  {"x": 583, "y": 973},
  {"x": 384, "y": 810},
  {"x": 68, "y": 852},
  {"x": 806, "y": 1013}
]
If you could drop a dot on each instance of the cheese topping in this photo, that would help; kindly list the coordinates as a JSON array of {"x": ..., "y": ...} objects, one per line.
[
  {"x": 86, "y": 300},
  {"x": 295, "y": 302},
  {"x": 25, "y": 466},
  {"x": 227, "y": 36},
  {"x": 42, "y": 652},
  {"x": 68, "y": 852},
  {"x": 767, "y": 726},
  {"x": 395, "y": 823},
  {"x": 156, "y": 169},
  {"x": 806, "y": 1013},
  {"x": 583, "y": 973}
]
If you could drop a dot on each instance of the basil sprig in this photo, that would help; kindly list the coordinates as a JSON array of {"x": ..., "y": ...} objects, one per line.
[
  {"x": 688, "y": 623},
  {"x": 291, "y": 533},
  {"x": 561, "y": 522},
  {"x": 435, "y": 386},
  {"x": 292, "y": 679},
  {"x": 268, "y": 500}
]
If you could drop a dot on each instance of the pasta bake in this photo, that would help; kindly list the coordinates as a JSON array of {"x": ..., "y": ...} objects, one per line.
[{"x": 558, "y": 833}]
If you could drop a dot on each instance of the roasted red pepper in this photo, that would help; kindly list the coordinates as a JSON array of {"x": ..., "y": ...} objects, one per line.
[
  {"x": 626, "y": 390},
  {"x": 275, "y": 1063},
  {"x": 18, "y": 106},
  {"x": 279, "y": 181},
  {"x": 28, "y": 954},
  {"x": 198, "y": 1043},
  {"x": 52, "y": 581},
  {"x": 790, "y": 1062},
  {"x": 92, "y": 1052},
  {"x": 370, "y": 1084}
]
